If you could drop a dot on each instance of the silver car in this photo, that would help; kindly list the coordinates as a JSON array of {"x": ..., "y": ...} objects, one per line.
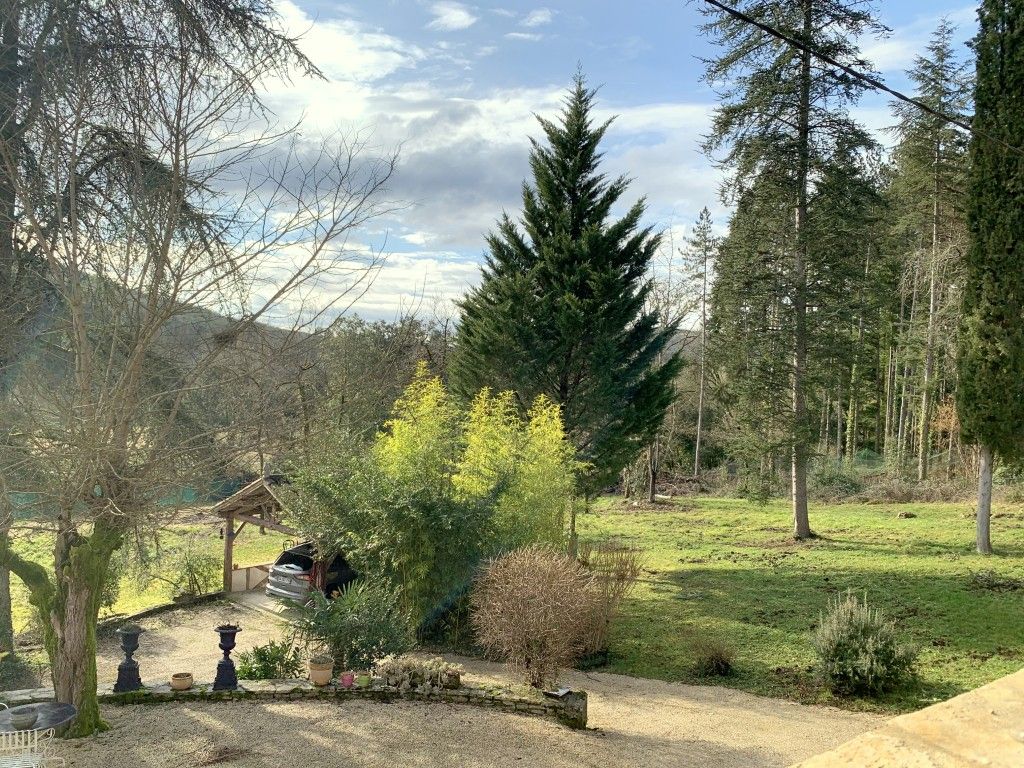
[{"x": 296, "y": 572}]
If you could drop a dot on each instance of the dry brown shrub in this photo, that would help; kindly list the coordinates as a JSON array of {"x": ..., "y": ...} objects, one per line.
[
  {"x": 615, "y": 569},
  {"x": 534, "y": 609}
]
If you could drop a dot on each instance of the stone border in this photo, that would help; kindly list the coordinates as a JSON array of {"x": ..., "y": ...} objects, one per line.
[{"x": 569, "y": 710}]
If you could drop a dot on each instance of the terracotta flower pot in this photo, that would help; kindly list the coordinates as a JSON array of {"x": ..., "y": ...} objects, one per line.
[
  {"x": 320, "y": 672},
  {"x": 181, "y": 681},
  {"x": 347, "y": 679}
]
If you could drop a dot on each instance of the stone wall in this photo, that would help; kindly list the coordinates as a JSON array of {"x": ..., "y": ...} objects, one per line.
[{"x": 570, "y": 709}]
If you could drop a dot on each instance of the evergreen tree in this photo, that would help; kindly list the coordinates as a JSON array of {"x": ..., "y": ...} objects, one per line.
[
  {"x": 928, "y": 193},
  {"x": 703, "y": 246},
  {"x": 560, "y": 311},
  {"x": 782, "y": 122},
  {"x": 991, "y": 357}
]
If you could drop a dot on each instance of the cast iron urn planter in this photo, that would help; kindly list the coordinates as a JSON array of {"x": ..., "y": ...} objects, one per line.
[
  {"x": 128, "y": 678},
  {"x": 226, "y": 679}
]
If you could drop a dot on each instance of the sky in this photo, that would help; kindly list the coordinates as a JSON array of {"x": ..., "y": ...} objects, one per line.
[{"x": 454, "y": 88}]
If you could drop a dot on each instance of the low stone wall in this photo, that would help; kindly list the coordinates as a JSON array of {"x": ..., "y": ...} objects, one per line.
[{"x": 570, "y": 709}]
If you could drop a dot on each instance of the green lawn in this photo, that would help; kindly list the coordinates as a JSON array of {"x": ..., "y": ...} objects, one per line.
[
  {"x": 727, "y": 569},
  {"x": 250, "y": 549}
]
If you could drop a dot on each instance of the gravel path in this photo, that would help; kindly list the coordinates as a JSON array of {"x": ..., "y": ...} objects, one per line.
[{"x": 634, "y": 722}]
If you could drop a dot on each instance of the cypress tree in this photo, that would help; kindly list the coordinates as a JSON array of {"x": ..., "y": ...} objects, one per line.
[
  {"x": 991, "y": 357},
  {"x": 561, "y": 310}
]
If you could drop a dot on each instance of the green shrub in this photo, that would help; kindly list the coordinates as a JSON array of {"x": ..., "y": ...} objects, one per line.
[
  {"x": 276, "y": 660},
  {"x": 713, "y": 658},
  {"x": 858, "y": 650},
  {"x": 438, "y": 491},
  {"x": 361, "y": 625},
  {"x": 831, "y": 480},
  {"x": 189, "y": 569}
]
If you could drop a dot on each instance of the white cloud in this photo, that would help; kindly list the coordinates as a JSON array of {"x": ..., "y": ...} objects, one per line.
[
  {"x": 418, "y": 238},
  {"x": 428, "y": 281},
  {"x": 538, "y": 18},
  {"x": 464, "y": 152},
  {"x": 450, "y": 16},
  {"x": 896, "y": 52},
  {"x": 345, "y": 50},
  {"x": 532, "y": 37}
]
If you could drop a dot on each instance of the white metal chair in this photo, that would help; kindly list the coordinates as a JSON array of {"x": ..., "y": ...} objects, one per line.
[{"x": 28, "y": 749}]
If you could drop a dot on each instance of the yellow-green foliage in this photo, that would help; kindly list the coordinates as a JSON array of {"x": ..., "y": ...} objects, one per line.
[
  {"x": 493, "y": 434},
  {"x": 439, "y": 490},
  {"x": 421, "y": 442},
  {"x": 528, "y": 463}
]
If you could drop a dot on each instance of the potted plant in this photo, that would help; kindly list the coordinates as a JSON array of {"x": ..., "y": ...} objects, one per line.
[
  {"x": 181, "y": 681},
  {"x": 359, "y": 626},
  {"x": 321, "y": 669},
  {"x": 347, "y": 679}
]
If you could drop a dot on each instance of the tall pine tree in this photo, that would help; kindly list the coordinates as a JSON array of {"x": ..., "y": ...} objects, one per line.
[
  {"x": 990, "y": 397},
  {"x": 560, "y": 311},
  {"x": 928, "y": 192},
  {"x": 782, "y": 122}
]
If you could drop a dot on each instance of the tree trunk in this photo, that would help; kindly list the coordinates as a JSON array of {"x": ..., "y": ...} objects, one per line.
[
  {"x": 924, "y": 447},
  {"x": 703, "y": 358},
  {"x": 904, "y": 436},
  {"x": 839, "y": 423},
  {"x": 6, "y": 622},
  {"x": 652, "y": 470},
  {"x": 825, "y": 427},
  {"x": 801, "y": 523},
  {"x": 879, "y": 395},
  {"x": 983, "y": 538},
  {"x": 68, "y": 608}
]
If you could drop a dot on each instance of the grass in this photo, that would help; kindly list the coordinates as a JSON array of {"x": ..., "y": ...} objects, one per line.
[
  {"x": 251, "y": 548},
  {"x": 727, "y": 571}
]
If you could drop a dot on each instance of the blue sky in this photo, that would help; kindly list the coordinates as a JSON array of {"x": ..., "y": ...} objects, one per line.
[{"x": 455, "y": 86}]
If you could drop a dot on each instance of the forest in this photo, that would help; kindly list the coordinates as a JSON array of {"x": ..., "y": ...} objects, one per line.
[{"x": 851, "y": 331}]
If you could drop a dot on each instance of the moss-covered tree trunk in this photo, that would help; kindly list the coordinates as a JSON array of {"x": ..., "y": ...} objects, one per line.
[
  {"x": 68, "y": 608},
  {"x": 6, "y": 622}
]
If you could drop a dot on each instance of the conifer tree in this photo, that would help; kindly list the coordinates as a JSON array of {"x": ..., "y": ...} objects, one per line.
[
  {"x": 703, "y": 245},
  {"x": 991, "y": 357},
  {"x": 560, "y": 311},
  {"x": 930, "y": 160},
  {"x": 781, "y": 123}
]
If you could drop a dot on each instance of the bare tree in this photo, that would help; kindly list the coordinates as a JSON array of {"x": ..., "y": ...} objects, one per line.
[
  {"x": 152, "y": 216},
  {"x": 672, "y": 299}
]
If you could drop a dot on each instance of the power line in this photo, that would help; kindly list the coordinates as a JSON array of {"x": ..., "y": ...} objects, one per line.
[{"x": 874, "y": 82}]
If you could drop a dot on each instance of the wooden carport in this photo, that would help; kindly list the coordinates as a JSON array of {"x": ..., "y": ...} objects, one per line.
[{"x": 255, "y": 503}]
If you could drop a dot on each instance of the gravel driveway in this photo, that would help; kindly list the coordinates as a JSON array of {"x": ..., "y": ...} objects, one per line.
[{"x": 634, "y": 722}]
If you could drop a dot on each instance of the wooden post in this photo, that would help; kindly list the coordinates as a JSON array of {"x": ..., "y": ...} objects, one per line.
[{"x": 229, "y": 549}]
